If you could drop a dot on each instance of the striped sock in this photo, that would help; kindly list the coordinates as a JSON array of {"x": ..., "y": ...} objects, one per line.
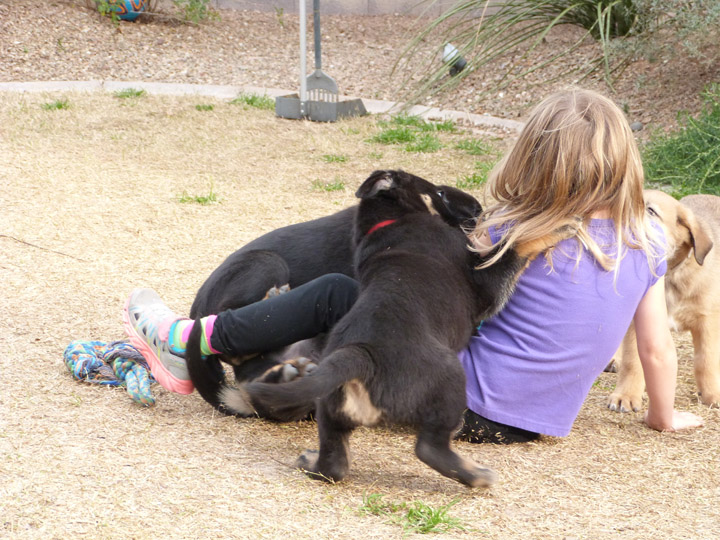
[{"x": 180, "y": 331}]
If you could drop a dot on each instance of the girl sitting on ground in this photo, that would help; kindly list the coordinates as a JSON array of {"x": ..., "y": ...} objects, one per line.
[{"x": 530, "y": 367}]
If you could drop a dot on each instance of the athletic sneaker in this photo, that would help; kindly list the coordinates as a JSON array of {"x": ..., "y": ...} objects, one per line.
[{"x": 147, "y": 322}]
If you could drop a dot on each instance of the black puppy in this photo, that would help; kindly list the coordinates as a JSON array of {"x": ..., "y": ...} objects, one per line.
[
  {"x": 292, "y": 256},
  {"x": 393, "y": 357}
]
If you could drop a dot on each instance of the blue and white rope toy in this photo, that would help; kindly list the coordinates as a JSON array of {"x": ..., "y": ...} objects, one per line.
[{"x": 113, "y": 364}]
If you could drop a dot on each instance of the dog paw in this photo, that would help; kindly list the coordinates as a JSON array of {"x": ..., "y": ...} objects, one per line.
[
  {"x": 289, "y": 370},
  {"x": 710, "y": 397},
  {"x": 297, "y": 367},
  {"x": 307, "y": 460},
  {"x": 483, "y": 478},
  {"x": 307, "y": 463},
  {"x": 276, "y": 291},
  {"x": 624, "y": 403}
]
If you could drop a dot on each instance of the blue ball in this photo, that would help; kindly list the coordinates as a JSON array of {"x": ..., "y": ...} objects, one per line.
[{"x": 127, "y": 10}]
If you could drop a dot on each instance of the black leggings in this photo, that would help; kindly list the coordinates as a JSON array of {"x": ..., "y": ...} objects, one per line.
[
  {"x": 301, "y": 313},
  {"x": 309, "y": 310}
]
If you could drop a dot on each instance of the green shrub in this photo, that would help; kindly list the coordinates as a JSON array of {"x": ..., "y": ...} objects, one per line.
[
  {"x": 517, "y": 27},
  {"x": 688, "y": 161},
  {"x": 195, "y": 11}
]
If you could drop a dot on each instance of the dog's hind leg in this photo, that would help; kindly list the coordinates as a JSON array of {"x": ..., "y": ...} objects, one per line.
[
  {"x": 332, "y": 462},
  {"x": 438, "y": 416},
  {"x": 433, "y": 448},
  {"x": 706, "y": 359}
]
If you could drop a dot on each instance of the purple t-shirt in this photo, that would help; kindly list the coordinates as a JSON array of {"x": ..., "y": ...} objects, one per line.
[{"x": 532, "y": 365}]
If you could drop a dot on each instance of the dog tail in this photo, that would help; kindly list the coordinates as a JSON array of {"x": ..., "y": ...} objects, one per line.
[
  {"x": 206, "y": 373},
  {"x": 295, "y": 400}
]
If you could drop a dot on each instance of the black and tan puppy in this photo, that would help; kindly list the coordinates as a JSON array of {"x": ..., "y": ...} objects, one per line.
[
  {"x": 294, "y": 255},
  {"x": 393, "y": 357}
]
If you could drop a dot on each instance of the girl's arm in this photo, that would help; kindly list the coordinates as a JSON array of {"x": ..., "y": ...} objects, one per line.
[{"x": 659, "y": 361}]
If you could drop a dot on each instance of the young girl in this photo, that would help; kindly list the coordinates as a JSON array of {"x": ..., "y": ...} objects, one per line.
[{"x": 530, "y": 367}]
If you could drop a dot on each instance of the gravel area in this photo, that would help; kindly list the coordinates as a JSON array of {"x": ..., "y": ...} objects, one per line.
[{"x": 65, "y": 40}]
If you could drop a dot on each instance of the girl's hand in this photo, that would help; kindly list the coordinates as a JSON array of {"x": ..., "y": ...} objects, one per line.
[{"x": 681, "y": 420}]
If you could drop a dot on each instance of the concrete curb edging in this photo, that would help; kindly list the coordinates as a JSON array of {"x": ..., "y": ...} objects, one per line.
[{"x": 373, "y": 106}]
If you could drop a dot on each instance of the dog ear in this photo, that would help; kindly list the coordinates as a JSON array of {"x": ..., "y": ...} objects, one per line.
[
  {"x": 701, "y": 241},
  {"x": 375, "y": 183}
]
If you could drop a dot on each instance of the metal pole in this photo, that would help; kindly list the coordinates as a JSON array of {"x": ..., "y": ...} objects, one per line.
[
  {"x": 303, "y": 57},
  {"x": 316, "y": 28}
]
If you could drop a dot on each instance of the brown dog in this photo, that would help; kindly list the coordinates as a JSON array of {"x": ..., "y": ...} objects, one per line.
[{"x": 692, "y": 292}]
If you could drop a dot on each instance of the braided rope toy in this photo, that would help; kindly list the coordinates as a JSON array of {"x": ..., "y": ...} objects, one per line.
[{"x": 113, "y": 364}]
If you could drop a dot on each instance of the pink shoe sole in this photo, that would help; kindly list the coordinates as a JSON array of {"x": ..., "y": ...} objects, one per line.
[{"x": 166, "y": 379}]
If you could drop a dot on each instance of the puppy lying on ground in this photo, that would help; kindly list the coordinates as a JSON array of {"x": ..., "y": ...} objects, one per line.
[
  {"x": 291, "y": 256},
  {"x": 692, "y": 292},
  {"x": 393, "y": 357}
]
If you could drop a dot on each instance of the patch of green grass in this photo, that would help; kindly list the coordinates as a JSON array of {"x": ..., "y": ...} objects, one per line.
[
  {"x": 414, "y": 132},
  {"x": 333, "y": 158},
  {"x": 421, "y": 124},
  {"x": 207, "y": 107},
  {"x": 210, "y": 198},
  {"x": 374, "y": 505},
  {"x": 255, "y": 100},
  {"x": 336, "y": 185},
  {"x": 445, "y": 125},
  {"x": 477, "y": 178},
  {"x": 395, "y": 135},
  {"x": 425, "y": 519},
  {"x": 603, "y": 385},
  {"x": 404, "y": 120},
  {"x": 688, "y": 161},
  {"x": 57, "y": 105},
  {"x": 427, "y": 143},
  {"x": 476, "y": 147},
  {"x": 129, "y": 93},
  {"x": 416, "y": 517}
]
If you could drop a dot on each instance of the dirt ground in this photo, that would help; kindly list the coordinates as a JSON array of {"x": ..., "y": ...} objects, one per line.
[{"x": 90, "y": 200}]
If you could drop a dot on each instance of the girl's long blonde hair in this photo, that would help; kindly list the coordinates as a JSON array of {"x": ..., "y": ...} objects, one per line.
[{"x": 575, "y": 156}]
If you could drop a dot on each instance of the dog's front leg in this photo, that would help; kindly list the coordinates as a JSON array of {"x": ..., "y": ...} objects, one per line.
[
  {"x": 706, "y": 361},
  {"x": 630, "y": 381}
]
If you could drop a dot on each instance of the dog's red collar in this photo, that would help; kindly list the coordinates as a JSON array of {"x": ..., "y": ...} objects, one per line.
[{"x": 380, "y": 225}]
